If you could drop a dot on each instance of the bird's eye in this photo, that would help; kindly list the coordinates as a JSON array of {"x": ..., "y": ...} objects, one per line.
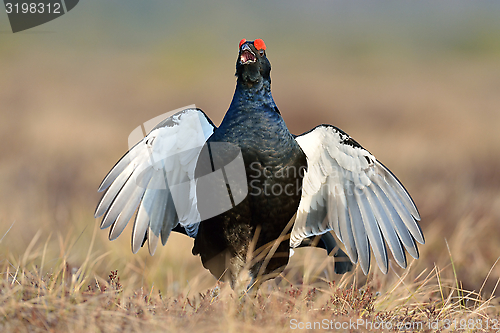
[{"x": 261, "y": 52}]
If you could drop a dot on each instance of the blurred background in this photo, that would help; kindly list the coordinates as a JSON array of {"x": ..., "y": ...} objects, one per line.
[{"x": 416, "y": 83}]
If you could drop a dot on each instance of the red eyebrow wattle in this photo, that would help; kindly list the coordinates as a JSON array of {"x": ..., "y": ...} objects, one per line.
[{"x": 259, "y": 44}]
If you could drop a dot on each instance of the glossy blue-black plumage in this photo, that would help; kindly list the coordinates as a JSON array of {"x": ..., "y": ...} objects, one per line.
[{"x": 273, "y": 162}]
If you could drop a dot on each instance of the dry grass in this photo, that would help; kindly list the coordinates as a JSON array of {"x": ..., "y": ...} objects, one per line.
[
  {"x": 434, "y": 122},
  {"x": 64, "y": 298}
]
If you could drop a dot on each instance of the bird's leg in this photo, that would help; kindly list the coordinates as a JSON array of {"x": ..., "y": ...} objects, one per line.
[
  {"x": 254, "y": 284},
  {"x": 342, "y": 263},
  {"x": 252, "y": 288},
  {"x": 326, "y": 241}
]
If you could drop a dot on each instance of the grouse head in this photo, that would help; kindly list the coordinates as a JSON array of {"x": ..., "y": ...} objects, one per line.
[{"x": 252, "y": 66}]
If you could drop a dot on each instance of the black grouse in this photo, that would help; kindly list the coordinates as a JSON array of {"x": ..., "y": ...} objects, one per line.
[{"x": 249, "y": 190}]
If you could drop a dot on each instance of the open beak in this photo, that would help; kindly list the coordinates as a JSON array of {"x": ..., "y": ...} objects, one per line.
[{"x": 246, "y": 55}]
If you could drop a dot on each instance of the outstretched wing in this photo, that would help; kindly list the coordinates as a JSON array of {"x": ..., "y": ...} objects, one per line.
[
  {"x": 347, "y": 190},
  {"x": 156, "y": 179}
]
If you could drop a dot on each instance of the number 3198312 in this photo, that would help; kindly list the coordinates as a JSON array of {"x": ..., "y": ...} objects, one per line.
[{"x": 33, "y": 8}]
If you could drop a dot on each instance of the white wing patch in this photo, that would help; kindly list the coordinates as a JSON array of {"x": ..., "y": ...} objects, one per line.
[
  {"x": 156, "y": 179},
  {"x": 347, "y": 190}
]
